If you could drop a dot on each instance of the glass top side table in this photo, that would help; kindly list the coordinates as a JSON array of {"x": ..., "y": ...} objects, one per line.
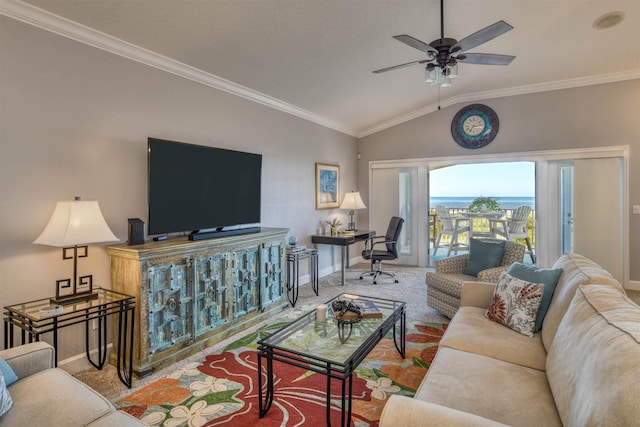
[
  {"x": 293, "y": 264},
  {"x": 32, "y": 323}
]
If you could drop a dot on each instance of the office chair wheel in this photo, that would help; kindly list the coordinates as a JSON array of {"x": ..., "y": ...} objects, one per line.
[
  {"x": 397, "y": 281},
  {"x": 375, "y": 283}
]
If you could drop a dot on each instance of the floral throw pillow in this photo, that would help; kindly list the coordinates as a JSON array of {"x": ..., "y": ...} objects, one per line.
[{"x": 515, "y": 303}]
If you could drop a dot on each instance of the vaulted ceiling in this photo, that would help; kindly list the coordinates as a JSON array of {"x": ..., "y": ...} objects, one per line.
[{"x": 315, "y": 57}]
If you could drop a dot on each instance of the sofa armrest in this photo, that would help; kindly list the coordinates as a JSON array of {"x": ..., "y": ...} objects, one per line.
[
  {"x": 477, "y": 294},
  {"x": 454, "y": 264},
  {"x": 407, "y": 412},
  {"x": 29, "y": 358},
  {"x": 491, "y": 275}
]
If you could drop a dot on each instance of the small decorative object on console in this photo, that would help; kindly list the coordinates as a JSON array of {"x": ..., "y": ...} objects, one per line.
[{"x": 51, "y": 310}]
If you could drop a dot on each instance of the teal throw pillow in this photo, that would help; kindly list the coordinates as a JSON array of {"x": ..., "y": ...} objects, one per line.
[
  {"x": 5, "y": 397},
  {"x": 483, "y": 254},
  {"x": 10, "y": 377},
  {"x": 546, "y": 276}
]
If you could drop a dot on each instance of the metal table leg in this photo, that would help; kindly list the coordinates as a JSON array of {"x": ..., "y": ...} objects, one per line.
[{"x": 265, "y": 404}]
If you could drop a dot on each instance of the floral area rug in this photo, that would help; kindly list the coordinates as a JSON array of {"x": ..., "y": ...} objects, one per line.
[{"x": 222, "y": 388}]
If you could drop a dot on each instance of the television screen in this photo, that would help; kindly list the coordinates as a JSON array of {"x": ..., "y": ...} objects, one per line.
[{"x": 193, "y": 187}]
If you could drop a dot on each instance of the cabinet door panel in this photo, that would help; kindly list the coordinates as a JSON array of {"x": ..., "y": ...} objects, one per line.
[
  {"x": 211, "y": 293},
  {"x": 246, "y": 282},
  {"x": 271, "y": 289},
  {"x": 170, "y": 305}
]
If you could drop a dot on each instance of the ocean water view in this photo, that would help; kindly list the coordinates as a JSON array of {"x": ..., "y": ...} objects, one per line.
[{"x": 462, "y": 202}]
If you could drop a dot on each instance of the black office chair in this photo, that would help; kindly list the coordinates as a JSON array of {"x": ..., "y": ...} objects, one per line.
[{"x": 390, "y": 251}]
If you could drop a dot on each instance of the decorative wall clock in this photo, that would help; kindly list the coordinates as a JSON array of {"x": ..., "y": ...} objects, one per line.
[{"x": 474, "y": 126}]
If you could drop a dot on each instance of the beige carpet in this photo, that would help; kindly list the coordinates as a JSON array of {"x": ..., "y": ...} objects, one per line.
[{"x": 411, "y": 289}]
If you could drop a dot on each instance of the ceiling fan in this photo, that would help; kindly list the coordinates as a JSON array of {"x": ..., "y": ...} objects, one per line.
[{"x": 444, "y": 53}]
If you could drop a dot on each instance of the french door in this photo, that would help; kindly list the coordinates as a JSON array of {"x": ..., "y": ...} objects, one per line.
[
  {"x": 581, "y": 203},
  {"x": 401, "y": 191}
]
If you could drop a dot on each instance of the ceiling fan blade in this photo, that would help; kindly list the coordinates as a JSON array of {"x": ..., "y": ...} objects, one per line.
[
  {"x": 382, "y": 70},
  {"x": 486, "y": 59},
  {"x": 481, "y": 36},
  {"x": 415, "y": 43}
]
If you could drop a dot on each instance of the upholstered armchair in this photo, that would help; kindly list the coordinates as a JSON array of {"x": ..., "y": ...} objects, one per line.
[{"x": 444, "y": 286}]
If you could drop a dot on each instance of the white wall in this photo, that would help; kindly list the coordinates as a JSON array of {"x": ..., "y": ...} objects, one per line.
[
  {"x": 591, "y": 116},
  {"x": 74, "y": 120}
]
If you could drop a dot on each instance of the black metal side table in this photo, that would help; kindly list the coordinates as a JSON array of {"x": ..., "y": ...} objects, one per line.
[
  {"x": 293, "y": 263},
  {"x": 32, "y": 324}
]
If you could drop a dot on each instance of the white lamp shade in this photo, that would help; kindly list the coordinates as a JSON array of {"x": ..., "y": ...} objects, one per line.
[
  {"x": 352, "y": 201},
  {"x": 76, "y": 222}
]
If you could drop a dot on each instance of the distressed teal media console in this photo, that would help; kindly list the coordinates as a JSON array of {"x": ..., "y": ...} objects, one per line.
[{"x": 192, "y": 294}]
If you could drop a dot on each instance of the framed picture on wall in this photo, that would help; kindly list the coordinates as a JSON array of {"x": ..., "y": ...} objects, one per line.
[{"x": 327, "y": 186}]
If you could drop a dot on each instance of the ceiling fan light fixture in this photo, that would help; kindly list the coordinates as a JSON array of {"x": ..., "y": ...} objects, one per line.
[
  {"x": 431, "y": 76},
  {"x": 453, "y": 71}
]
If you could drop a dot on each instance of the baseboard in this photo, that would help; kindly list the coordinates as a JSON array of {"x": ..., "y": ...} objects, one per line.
[
  {"x": 633, "y": 285},
  {"x": 79, "y": 362}
]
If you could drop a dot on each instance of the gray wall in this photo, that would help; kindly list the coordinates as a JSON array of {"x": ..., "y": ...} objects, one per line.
[
  {"x": 591, "y": 116},
  {"x": 74, "y": 120}
]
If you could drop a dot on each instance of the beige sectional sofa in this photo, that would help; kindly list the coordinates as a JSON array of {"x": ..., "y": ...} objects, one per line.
[
  {"x": 582, "y": 368},
  {"x": 48, "y": 396}
]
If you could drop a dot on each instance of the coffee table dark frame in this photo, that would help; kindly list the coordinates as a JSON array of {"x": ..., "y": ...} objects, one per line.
[{"x": 332, "y": 369}]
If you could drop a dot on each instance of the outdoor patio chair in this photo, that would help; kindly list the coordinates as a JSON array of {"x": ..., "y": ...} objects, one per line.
[
  {"x": 444, "y": 286},
  {"x": 515, "y": 227},
  {"x": 452, "y": 227}
]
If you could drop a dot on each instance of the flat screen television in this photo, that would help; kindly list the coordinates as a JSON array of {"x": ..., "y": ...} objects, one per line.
[{"x": 194, "y": 187}]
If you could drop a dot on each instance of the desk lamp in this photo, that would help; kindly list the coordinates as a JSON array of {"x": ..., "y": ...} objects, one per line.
[
  {"x": 73, "y": 225},
  {"x": 352, "y": 201}
]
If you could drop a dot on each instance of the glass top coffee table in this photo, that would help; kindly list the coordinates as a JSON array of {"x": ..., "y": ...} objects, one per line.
[{"x": 317, "y": 346}]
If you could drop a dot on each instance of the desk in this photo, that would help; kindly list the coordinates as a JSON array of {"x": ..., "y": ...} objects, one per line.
[
  {"x": 343, "y": 241},
  {"x": 26, "y": 316}
]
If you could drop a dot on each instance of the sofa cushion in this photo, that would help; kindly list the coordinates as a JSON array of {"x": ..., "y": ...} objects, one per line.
[
  {"x": 483, "y": 254},
  {"x": 116, "y": 419},
  {"x": 10, "y": 377},
  {"x": 515, "y": 304},
  {"x": 471, "y": 331},
  {"x": 5, "y": 397},
  {"x": 594, "y": 360},
  {"x": 491, "y": 388},
  {"x": 547, "y": 276},
  {"x": 404, "y": 411},
  {"x": 577, "y": 270},
  {"x": 54, "y": 398}
]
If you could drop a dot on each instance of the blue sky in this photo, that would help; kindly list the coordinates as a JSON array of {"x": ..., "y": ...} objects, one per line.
[{"x": 484, "y": 179}]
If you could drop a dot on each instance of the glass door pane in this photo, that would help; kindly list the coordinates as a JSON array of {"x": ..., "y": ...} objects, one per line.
[{"x": 566, "y": 207}]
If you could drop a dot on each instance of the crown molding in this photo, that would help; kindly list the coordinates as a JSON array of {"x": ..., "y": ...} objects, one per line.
[
  {"x": 64, "y": 27},
  {"x": 519, "y": 90}
]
